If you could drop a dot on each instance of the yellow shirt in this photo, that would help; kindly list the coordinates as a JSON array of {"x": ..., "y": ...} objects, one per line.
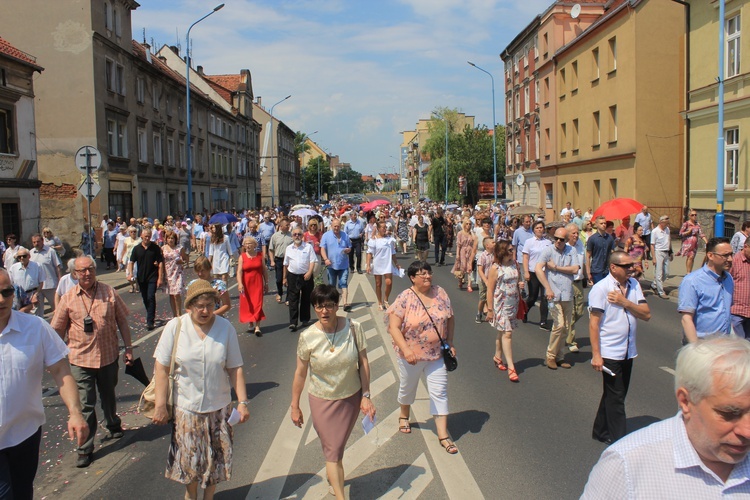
[{"x": 333, "y": 375}]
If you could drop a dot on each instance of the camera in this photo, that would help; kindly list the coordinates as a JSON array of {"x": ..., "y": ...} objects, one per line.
[{"x": 88, "y": 325}]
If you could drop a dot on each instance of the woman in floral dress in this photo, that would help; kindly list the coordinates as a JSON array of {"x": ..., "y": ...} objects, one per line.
[
  {"x": 690, "y": 232},
  {"x": 174, "y": 263},
  {"x": 636, "y": 247},
  {"x": 450, "y": 234},
  {"x": 504, "y": 294},
  {"x": 402, "y": 230},
  {"x": 466, "y": 247}
]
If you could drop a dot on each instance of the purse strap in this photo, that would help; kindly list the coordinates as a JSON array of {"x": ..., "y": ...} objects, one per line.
[
  {"x": 174, "y": 350},
  {"x": 428, "y": 315}
]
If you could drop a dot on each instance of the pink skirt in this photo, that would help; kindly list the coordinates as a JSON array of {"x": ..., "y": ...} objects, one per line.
[{"x": 334, "y": 421}]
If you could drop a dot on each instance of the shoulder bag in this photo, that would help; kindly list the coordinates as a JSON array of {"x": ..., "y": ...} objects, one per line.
[
  {"x": 147, "y": 403},
  {"x": 451, "y": 363}
]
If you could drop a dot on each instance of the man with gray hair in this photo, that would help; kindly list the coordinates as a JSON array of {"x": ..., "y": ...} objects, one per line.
[{"x": 702, "y": 451}]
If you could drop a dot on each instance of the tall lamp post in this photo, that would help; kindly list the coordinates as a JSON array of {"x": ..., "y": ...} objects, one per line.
[
  {"x": 446, "y": 160},
  {"x": 187, "y": 108},
  {"x": 494, "y": 126},
  {"x": 719, "y": 218},
  {"x": 275, "y": 150}
]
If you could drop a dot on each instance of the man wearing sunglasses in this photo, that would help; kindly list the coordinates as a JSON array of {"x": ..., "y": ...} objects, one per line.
[
  {"x": 29, "y": 277},
  {"x": 28, "y": 346},
  {"x": 615, "y": 303},
  {"x": 705, "y": 295}
]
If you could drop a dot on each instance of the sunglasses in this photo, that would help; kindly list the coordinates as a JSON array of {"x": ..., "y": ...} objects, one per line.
[
  {"x": 559, "y": 239},
  {"x": 22, "y": 256},
  {"x": 624, "y": 266},
  {"x": 7, "y": 292}
]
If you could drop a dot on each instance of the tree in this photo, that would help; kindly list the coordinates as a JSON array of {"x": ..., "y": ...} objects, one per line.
[
  {"x": 310, "y": 177},
  {"x": 300, "y": 143},
  {"x": 469, "y": 155},
  {"x": 349, "y": 180}
]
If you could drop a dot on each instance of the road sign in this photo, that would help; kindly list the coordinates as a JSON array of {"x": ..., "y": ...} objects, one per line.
[
  {"x": 94, "y": 156},
  {"x": 84, "y": 188}
]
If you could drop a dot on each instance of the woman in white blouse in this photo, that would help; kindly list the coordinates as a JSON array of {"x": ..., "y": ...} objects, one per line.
[
  {"x": 208, "y": 366},
  {"x": 381, "y": 259},
  {"x": 331, "y": 350},
  {"x": 219, "y": 253}
]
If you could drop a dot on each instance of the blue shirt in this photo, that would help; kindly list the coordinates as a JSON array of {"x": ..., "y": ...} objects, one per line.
[
  {"x": 354, "y": 229},
  {"x": 519, "y": 238},
  {"x": 335, "y": 249},
  {"x": 110, "y": 238},
  {"x": 267, "y": 229},
  {"x": 708, "y": 297},
  {"x": 599, "y": 247}
]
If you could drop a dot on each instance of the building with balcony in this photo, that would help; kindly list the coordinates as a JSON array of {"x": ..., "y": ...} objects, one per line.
[
  {"x": 702, "y": 113},
  {"x": 19, "y": 186}
]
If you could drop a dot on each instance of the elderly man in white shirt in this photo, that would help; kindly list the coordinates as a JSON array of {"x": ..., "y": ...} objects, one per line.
[
  {"x": 29, "y": 277},
  {"x": 299, "y": 263},
  {"x": 48, "y": 259},
  {"x": 702, "y": 452}
]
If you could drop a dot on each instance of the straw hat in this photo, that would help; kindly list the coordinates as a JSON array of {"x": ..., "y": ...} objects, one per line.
[{"x": 198, "y": 287}]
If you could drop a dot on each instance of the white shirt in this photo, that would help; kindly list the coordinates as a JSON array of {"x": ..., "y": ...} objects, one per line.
[
  {"x": 220, "y": 254},
  {"x": 382, "y": 251},
  {"x": 9, "y": 257},
  {"x": 581, "y": 251},
  {"x": 297, "y": 259},
  {"x": 26, "y": 277},
  {"x": 617, "y": 326},
  {"x": 534, "y": 248},
  {"x": 27, "y": 346},
  {"x": 738, "y": 241},
  {"x": 660, "y": 239},
  {"x": 645, "y": 222},
  {"x": 414, "y": 220},
  {"x": 659, "y": 461},
  {"x": 567, "y": 211},
  {"x": 50, "y": 262},
  {"x": 66, "y": 283},
  {"x": 201, "y": 379}
]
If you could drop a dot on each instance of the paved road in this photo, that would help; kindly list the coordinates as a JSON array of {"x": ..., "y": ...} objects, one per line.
[{"x": 531, "y": 439}]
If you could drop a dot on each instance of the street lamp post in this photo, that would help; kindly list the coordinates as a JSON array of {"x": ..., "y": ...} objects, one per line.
[
  {"x": 494, "y": 126},
  {"x": 187, "y": 108},
  {"x": 446, "y": 160},
  {"x": 275, "y": 150}
]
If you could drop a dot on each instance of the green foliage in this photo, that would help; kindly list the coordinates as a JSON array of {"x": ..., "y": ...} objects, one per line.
[
  {"x": 353, "y": 184},
  {"x": 469, "y": 154},
  {"x": 310, "y": 177},
  {"x": 300, "y": 143}
]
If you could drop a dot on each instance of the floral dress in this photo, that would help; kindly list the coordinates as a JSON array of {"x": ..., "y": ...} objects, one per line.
[
  {"x": 506, "y": 298},
  {"x": 174, "y": 266},
  {"x": 636, "y": 249},
  {"x": 464, "y": 247},
  {"x": 402, "y": 230},
  {"x": 416, "y": 326},
  {"x": 690, "y": 232}
]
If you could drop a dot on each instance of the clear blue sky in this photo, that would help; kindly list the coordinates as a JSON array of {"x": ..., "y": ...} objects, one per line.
[{"x": 359, "y": 72}]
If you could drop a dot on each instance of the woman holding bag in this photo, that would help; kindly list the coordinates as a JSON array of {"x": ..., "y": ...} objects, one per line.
[
  {"x": 417, "y": 320},
  {"x": 207, "y": 365},
  {"x": 503, "y": 299},
  {"x": 331, "y": 349}
]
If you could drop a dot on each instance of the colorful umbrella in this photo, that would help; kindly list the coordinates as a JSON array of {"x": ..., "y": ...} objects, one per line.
[{"x": 618, "y": 208}]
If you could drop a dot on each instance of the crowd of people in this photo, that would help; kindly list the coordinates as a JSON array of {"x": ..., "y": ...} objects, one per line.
[{"x": 515, "y": 262}]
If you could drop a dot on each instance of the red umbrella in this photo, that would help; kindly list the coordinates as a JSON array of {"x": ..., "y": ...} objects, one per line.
[
  {"x": 370, "y": 205},
  {"x": 618, "y": 208}
]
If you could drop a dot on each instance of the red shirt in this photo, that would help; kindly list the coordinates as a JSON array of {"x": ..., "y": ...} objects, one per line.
[
  {"x": 314, "y": 240},
  {"x": 740, "y": 272}
]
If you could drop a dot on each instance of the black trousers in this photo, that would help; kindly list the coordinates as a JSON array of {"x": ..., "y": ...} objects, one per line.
[
  {"x": 298, "y": 293},
  {"x": 441, "y": 242},
  {"x": 278, "y": 263},
  {"x": 610, "y": 417},
  {"x": 18, "y": 466},
  {"x": 356, "y": 249},
  {"x": 148, "y": 294},
  {"x": 535, "y": 287},
  {"x": 109, "y": 256}
]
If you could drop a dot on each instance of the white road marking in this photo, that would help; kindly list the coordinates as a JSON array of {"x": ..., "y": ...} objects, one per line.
[
  {"x": 412, "y": 482},
  {"x": 375, "y": 354},
  {"x": 270, "y": 479},
  {"x": 362, "y": 319},
  {"x": 667, "y": 369},
  {"x": 371, "y": 333}
]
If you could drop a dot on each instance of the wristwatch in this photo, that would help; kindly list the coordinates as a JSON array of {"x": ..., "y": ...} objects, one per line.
[
  {"x": 366, "y": 395},
  {"x": 246, "y": 402}
]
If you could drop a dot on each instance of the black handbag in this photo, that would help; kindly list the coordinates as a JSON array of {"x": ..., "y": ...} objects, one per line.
[{"x": 451, "y": 363}]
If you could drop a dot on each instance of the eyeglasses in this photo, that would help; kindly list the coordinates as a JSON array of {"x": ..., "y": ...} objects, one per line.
[
  {"x": 724, "y": 256},
  {"x": 7, "y": 292},
  {"x": 424, "y": 276},
  {"x": 203, "y": 307},
  {"x": 625, "y": 266},
  {"x": 86, "y": 270},
  {"x": 296, "y": 234},
  {"x": 557, "y": 238},
  {"x": 25, "y": 256},
  {"x": 693, "y": 215},
  {"x": 328, "y": 306}
]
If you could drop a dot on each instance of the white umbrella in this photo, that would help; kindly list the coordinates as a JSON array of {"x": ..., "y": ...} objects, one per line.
[
  {"x": 304, "y": 212},
  {"x": 297, "y": 207},
  {"x": 451, "y": 206}
]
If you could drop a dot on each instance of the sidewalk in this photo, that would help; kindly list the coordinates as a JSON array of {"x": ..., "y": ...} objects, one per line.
[{"x": 677, "y": 271}]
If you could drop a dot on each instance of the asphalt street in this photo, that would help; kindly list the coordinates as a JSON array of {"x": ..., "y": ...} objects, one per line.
[{"x": 530, "y": 440}]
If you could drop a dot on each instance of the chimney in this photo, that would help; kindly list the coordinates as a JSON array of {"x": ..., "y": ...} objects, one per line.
[
  {"x": 163, "y": 59},
  {"x": 175, "y": 49},
  {"x": 258, "y": 102},
  {"x": 200, "y": 70}
]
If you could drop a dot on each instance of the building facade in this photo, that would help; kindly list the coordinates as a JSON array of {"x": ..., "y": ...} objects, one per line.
[
  {"x": 19, "y": 186},
  {"x": 279, "y": 164},
  {"x": 702, "y": 113}
]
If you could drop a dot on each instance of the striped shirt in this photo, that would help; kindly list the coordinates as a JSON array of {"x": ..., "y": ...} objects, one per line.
[
  {"x": 100, "y": 348},
  {"x": 659, "y": 461},
  {"x": 741, "y": 274}
]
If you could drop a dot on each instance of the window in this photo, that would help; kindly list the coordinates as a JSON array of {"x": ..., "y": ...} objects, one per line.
[
  {"x": 546, "y": 143},
  {"x": 545, "y": 45},
  {"x": 597, "y": 193},
  {"x": 108, "y": 16},
  {"x": 7, "y": 137},
  {"x": 574, "y": 77},
  {"x": 526, "y": 99},
  {"x": 612, "y": 124},
  {"x": 563, "y": 139},
  {"x": 120, "y": 79},
  {"x": 731, "y": 156},
  {"x": 595, "y": 64},
  {"x": 574, "y": 137},
  {"x": 517, "y": 112},
  {"x": 612, "y": 54},
  {"x": 109, "y": 68},
  {"x": 117, "y": 138},
  {"x": 212, "y": 123},
  {"x": 142, "y": 146},
  {"x": 118, "y": 23},
  {"x": 596, "y": 138},
  {"x": 515, "y": 63},
  {"x": 170, "y": 152},
  {"x": 536, "y": 93},
  {"x": 732, "y": 32},
  {"x": 159, "y": 204},
  {"x": 613, "y": 188},
  {"x": 526, "y": 56},
  {"x": 140, "y": 90},
  {"x": 155, "y": 95},
  {"x": 180, "y": 110},
  {"x": 564, "y": 190},
  {"x": 577, "y": 192},
  {"x": 213, "y": 161},
  {"x": 144, "y": 201},
  {"x": 181, "y": 147},
  {"x": 562, "y": 84},
  {"x": 157, "y": 149},
  {"x": 536, "y": 47},
  {"x": 168, "y": 103},
  {"x": 546, "y": 92},
  {"x": 538, "y": 141}
]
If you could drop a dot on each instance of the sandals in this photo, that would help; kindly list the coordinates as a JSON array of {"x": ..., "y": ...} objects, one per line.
[
  {"x": 258, "y": 333},
  {"x": 512, "y": 375},
  {"x": 450, "y": 447},
  {"x": 469, "y": 289},
  {"x": 381, "y": 307},
  {"x": 499, "y": 363},
  {"x": 405, "y": 428},
  {"x": 278, "y": 299}
]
